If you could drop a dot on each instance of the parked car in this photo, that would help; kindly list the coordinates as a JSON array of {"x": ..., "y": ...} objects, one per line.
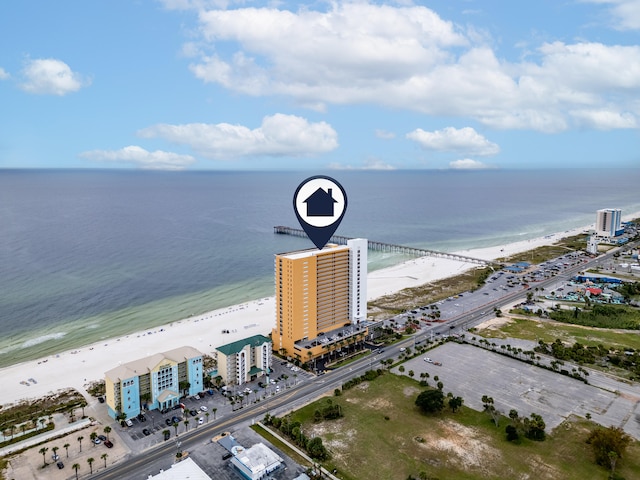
[
  {"x": 97, "y": 441},
  {"x": 146, "y": 432},
  {"x": 60, "y": 465},
  {"x": 129, "y": 422},
  {"x": 108, "y": 444},
  {"x": 193, "y": 413},
  {"x": 55, "y": 457},
  {"x": 167, "y": 435},
  {"x": 168, "y": 422},
  {"x": 203, "y": 408},
  {"x": 102, "y": 437},
  {"x": 200, "y": 421}
]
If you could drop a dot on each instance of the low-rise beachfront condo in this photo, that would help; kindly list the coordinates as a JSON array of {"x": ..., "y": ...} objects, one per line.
[
  {"x": 155, "y": 382},
  {"x": 245, "y": 360}
]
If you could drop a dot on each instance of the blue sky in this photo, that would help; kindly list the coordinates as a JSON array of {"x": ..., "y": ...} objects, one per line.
[{"x": 215, "y": 84}]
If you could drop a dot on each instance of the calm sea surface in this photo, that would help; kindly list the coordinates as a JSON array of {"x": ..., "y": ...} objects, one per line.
[{"x": 88, "y": 255}]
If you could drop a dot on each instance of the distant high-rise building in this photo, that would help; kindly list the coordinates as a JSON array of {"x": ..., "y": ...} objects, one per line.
[
  {"x": 321, "y": 298},
  {"x": 592, "y": 245},
  {"x": 608, "y": 222}
]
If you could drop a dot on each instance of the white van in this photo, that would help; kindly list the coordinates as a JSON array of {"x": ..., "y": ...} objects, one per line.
[{"x": 129, "y": 422}]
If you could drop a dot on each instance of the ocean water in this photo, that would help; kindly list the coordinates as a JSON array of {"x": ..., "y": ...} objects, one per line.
[{"x": 88, "y": 255}]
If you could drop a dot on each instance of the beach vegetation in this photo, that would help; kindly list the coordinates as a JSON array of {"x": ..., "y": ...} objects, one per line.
[
  {"x": 76, "y": 467},
  {"x": 36, "y": 414},
  {"x": 90, "y": 461},
  {"x": 97, "y": 388}
]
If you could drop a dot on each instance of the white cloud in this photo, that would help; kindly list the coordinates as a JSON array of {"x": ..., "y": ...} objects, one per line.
[
  {"x": 48, "y": 76},
  {"x": 4, "y": 74},
  {"x": 605, "y": 119},
  {"x": 371, "y": 164},
  {"x": 450, "y": 139},
  {"x": 142, "y": 158},
  {"x": 467, "y": 164},
  {"x": 279, "y": 135},
  {"x": 625, "y": 13},
  {"x": 410, "y": 58},
  {"x": 383, "y": 134}
]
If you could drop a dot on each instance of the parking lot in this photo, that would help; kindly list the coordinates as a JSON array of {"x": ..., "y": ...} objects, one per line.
[
  {"x": 148, "y": 430},
  {"x": 472, "y": 372}
]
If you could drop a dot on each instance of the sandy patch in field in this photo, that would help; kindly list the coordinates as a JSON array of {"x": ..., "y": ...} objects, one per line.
[
  {"x": 494, "y": 323},
  {"x": 334, "y": 437},
  {"x": 410, "y": 391},
  {"x": 464, "y": 446}
]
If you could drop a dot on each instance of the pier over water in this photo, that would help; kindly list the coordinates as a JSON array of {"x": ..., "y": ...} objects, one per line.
[{"x": 389, "y": 247}]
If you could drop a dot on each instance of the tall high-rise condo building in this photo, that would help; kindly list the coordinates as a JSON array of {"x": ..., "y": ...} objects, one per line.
[
  {"x": 608, "y": 222},
  {"x": 321, "y": 299}
]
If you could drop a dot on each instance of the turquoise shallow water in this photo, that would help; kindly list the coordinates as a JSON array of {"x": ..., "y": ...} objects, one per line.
[{"x": 88, "y": 255}]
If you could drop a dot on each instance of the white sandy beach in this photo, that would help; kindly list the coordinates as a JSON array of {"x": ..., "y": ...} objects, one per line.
[{"x": 79, "y": 367}]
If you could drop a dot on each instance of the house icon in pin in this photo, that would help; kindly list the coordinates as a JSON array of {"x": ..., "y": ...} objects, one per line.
[{"x": 320, "y": 203}]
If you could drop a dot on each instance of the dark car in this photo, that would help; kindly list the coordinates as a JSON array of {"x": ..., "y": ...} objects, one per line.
[
  {"x": 142, "y": 418},
  {"x": 227, "y": 456},
  {"x": 108, "y": 444},
  {"x": 102, "y": 437},
  {"x": 60, "y": 465},
  {"x": 101, "y": 399},
  {"x": 146, "y": 432},
  {"x": 167, "y": 435},
  {"x": 193, "y": 413},
  {"x": 168, "y": 422}
]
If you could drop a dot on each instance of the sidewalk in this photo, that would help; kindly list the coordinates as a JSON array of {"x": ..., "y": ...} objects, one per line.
[{"x": 43, "y": 437}]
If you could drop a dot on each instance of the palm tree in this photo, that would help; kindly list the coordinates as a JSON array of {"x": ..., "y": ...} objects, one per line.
[
  {"x": 186, "y": 425},
  {"x": 90, "y": 461},
  {"x": 93, "y": 437},
  {"x": 42, "y": 422},
  {"x": 55, "y": 450},
  {"x": 76, "y": 466},
  {"x": 207, "y": 415},
  {"x": 214, "y": 410},
  {"x": 66, "y": 447},
  {"x": 107, "y": 430},
  {"x": 44, "y": 451},
  {"x": 165, "y": 432},
  {"x": 104, "y": 457},
  {"x": 80, "y": 438},
  {"x": 175, "y": 426}
]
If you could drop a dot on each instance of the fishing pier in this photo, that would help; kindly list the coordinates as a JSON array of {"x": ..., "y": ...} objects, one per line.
[{"x": 389, "y": 247}]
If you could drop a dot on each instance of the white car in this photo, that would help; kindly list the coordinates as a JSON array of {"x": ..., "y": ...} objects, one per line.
[
  {"x": 203, "y": 408},
  {"x": 200, "y": 421}
]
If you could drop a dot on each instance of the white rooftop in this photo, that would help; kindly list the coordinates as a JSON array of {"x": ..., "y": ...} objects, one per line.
[{"x": 187, "y": 469}]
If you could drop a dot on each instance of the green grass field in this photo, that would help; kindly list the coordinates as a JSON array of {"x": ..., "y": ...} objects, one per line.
[
  {"x": 549, "y": 330},
  {"x": 384, "y": 436}
]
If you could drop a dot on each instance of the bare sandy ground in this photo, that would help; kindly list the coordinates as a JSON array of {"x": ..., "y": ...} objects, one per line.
[{"x": 79, "y": 367}]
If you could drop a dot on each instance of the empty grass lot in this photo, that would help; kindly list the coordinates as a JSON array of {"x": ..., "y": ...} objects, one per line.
[
  {"x": 384, "y": 436},
  {"x": 549, "y": 330}
]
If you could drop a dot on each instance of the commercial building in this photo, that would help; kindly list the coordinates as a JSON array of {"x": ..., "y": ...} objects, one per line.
[
  {"x": 186, "y": 469},
  {"x": 256, "y": 462},
  {"x": 321, "y": 299},
  {"x": 245, "y": 360},
  {"x": 154, "y": 382},
  {"x": 608, "y": 222}
]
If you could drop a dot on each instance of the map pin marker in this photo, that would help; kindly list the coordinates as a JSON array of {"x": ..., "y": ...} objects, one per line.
[{"x": 320, "y": 204}]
